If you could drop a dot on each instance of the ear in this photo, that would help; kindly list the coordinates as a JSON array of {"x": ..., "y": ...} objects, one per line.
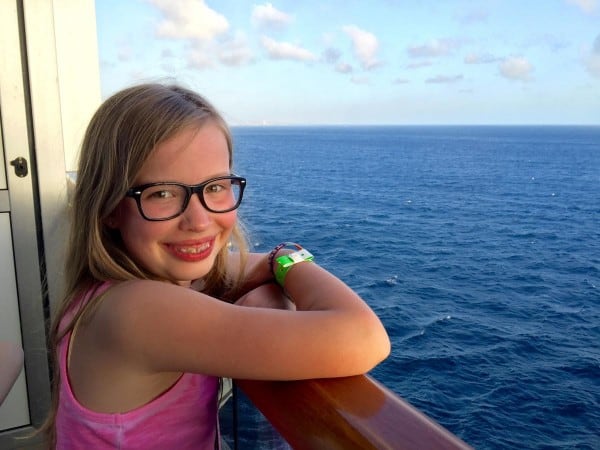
[{"x": 113, "y": 221}]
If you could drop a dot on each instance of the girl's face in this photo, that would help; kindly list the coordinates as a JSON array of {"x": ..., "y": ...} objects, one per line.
[{"x": 184, "y": 248}]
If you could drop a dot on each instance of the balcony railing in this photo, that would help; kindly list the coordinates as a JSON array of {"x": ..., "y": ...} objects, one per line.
[{"x": 345, "y": 413}]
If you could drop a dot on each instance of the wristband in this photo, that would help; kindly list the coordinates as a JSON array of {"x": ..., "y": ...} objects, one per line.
[
  {"x": 284, "y": 263},
  {"x": 276, "y": 249}
]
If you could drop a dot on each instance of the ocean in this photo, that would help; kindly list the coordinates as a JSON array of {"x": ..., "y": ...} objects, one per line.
[{"x": 479, "y": 249}]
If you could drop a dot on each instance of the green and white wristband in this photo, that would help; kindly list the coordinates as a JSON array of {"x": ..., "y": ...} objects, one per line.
[{"x": 281, "y": 265}]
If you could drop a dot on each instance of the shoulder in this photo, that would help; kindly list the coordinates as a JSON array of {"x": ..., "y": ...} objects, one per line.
[
  {"x": 138, "y": 322},
  {"x": 130, "y": 316},
  {"x": 134, "y": 296},
  {"x": 138, "y": 306}
]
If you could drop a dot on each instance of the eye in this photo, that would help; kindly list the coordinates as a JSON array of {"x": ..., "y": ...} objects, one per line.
[
  {"x": 157, "y": 193},
  {"x": 162, "y": 194},
  {"x": 217, "y": 187}
]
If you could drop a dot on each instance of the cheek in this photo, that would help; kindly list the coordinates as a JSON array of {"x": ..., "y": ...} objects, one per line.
[
  {"x": 135, "y": 230},
  {"x": 227, "y": 221}
]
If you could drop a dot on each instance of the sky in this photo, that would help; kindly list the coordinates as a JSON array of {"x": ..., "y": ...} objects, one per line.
[{"x": 377, "y": 62}]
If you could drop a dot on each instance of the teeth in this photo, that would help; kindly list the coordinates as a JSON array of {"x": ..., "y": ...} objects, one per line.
[{"x": 193, "y": 250}]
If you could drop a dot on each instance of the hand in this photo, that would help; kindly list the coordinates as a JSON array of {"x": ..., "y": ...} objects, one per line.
[{"x": 268, "y": 295}]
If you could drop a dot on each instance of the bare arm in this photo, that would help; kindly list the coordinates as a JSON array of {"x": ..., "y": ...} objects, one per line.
[
  {"x": 164, "y": 328},
  {"x": 268, "y": 295}
]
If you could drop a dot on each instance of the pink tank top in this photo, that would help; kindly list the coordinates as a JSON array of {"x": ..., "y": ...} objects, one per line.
[{"x": 183, "y": 417}]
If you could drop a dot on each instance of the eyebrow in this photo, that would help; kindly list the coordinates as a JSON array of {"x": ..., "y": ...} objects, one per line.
[{"x": 223, "y": 174}]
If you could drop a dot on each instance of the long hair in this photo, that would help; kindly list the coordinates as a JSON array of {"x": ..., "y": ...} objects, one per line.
[{"x": 121, "y": 136}]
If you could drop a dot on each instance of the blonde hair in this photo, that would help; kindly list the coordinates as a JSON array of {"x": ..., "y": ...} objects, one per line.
[{"x": 121, "y": 136}]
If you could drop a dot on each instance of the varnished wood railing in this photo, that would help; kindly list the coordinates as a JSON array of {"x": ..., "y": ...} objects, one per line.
[{"x": 345, "y": 413}]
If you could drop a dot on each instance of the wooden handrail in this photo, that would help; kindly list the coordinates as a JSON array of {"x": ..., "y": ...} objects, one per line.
[{"x": 345, "y": 413}]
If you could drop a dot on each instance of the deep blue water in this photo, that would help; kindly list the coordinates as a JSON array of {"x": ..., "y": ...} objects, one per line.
[{"x": 479, "y": 248}]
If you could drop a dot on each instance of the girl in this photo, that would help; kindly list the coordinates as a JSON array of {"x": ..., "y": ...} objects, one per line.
[{"x": 162, "y": 296}]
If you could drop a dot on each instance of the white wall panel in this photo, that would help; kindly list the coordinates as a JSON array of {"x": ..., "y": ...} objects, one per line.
[{"x": 14, "y": 411}]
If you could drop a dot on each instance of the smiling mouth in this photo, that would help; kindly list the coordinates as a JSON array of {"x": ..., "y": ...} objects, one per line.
[{"x": 193, "y": 250}]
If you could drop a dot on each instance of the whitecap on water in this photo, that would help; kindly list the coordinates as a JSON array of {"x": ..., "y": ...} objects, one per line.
[{"x": 392, "y": 281}]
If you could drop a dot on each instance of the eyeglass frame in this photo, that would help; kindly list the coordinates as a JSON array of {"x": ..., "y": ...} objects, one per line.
[{"x": 136, "y": 193}]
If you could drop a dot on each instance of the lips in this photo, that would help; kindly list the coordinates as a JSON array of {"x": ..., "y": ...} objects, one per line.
[{"x": 191, "y": 250}]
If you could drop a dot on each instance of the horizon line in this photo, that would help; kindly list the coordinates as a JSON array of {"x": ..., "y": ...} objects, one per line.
[{"x": 268, "y": 125}]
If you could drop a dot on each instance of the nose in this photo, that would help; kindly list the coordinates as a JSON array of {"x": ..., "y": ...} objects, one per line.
[{"x": 196, "y": 216}]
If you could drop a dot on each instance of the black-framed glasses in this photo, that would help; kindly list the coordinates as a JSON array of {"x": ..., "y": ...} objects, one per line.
[{"x": 167, "y": 200}]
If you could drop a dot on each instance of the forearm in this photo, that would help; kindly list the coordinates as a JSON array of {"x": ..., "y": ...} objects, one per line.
[
  {"x": 351, "y": 321},
  {"x": 330, "y": 307},
  {"x": 309, "y": 286},
  {"x": 312, "y": 288}
]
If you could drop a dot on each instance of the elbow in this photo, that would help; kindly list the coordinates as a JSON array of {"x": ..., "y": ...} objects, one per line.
[
  {"x": 382, "y": 345},
  {"x": 375, "y": 344},
  {"x": 386, "y": 345}
]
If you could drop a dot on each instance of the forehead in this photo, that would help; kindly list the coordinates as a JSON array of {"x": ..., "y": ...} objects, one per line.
[{"x": 190, "y": 156}]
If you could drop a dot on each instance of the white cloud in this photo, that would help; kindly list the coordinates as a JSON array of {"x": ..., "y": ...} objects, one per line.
[
  {"x": 442, "y": 79},
  {"x": 365, "y": 45},
  {"x": 418, "y": 65},
  {"x": 516, "y": 68},
  {"x": 592, "y": 60},
  {"x": 328, "y": 39},
  {"x": 235, "y": 51},
  {"x": 592, "y": 64},
  {"x": 475, "y": 16},
  {"x": 596, "y": 47},
  {"x": 480, "y": 58},
  {"x": 587, "y": 6},
  {"x": 125, "y": 53},
  {"x": 343, "y": 68},
  {"x": 554, "y": 42},
  {"x": 435, "y": 47},
  {"x": 360, "y": 80},
  {"x": 331, "y": 55},
  {"x": 230, "y": 51},
  {"x": 167, "y": 53},
  {"x": 200, "y": 59},
  {"x": 189, "y": 19},
  {"x": 285, "y": 50},
  {"x": 266, "y": 16},
  {"x": 206, "y": 30}
]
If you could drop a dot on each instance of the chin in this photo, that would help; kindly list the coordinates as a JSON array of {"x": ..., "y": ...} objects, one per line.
[{"x": 189, "y": 276}]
